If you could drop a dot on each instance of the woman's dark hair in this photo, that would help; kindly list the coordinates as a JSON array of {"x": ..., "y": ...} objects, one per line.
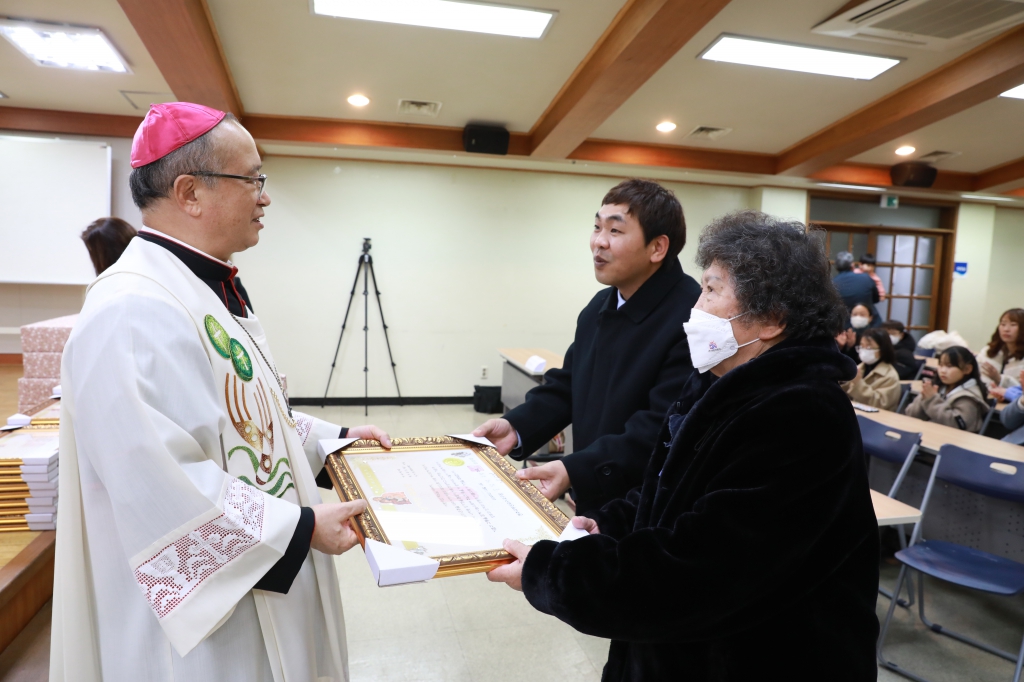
[
  {"x": 655, "y": 208},
  {"x": 886, "y": 353},
  {"x": 996, "y": 344},
  {"x": 960, "y": 357},
  {"x": 894, "y": 325},
  {"x": 106, "y": 239},
  {"x": 779, "y": 269}
]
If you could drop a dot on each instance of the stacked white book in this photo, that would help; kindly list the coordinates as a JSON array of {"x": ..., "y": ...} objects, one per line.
[{"x": 29, "y": 475}]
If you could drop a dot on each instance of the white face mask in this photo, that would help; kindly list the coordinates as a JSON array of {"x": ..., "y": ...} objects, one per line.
[
  {"x": 868, "y": 356},
  {"x": 710, "y": 339},
  {"x": 895, "y": 339},
  {"x": 859, "y": 321}
]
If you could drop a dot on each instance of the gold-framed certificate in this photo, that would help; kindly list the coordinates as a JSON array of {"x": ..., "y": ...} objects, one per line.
[{"x": 444, "y": 499}]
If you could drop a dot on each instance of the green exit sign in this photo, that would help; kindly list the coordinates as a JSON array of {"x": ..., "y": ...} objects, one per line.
[{"x": 889, "y": 201}]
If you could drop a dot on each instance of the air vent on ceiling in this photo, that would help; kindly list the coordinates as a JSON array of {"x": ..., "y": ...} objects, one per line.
[
  {"x": 937, "y": 156},
  {"x": 930, "y": 24},
  {"x": 141, "y": 100},
  {"x": 419, "y": 107},
  {"x": 708, "y": 133}
]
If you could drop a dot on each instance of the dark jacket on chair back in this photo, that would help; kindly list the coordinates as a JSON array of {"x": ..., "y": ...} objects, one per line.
[
  {"x": 620, "y": 375},
  {"x": 751, "y": 550}
]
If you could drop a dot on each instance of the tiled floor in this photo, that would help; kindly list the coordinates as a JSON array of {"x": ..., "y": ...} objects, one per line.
[{"x": 466, "y": 628}]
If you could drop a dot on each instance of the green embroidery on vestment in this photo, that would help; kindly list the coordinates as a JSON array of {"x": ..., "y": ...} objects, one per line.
[
  {"x": 276, "y": 489},
  {"x": 252, "y": 456},
  {"x": 240, "y": 359},
  {"x": 218, "y": 336}
]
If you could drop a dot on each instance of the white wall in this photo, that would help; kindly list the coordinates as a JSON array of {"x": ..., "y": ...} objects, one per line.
[
  {"x": 468, "y": 260},
  {"x": 25, "y": 303},
  {"x": 781, "y": 202}
]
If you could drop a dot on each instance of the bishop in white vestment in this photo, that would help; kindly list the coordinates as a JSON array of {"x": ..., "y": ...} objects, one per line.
[{"x": 192, "y": 543}]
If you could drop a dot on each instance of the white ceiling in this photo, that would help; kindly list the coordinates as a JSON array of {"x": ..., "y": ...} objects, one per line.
[
  {"x": 287, "y": 61},
  {"x": 768, "y": 109},
  {"x": 29, "y": 85},
  {"x": 986, "y": 135}
]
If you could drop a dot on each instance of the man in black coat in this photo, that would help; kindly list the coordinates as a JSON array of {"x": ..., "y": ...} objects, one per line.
[
  {"x": 855, "y": 287},
  {"x": 751, "y": 550},
  {"x": 628, "y": 361}
]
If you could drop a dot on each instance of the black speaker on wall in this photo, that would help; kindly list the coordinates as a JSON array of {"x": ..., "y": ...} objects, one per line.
[
  {"x": 485, "y": 139},
  {"x": 913, "y": 174}
]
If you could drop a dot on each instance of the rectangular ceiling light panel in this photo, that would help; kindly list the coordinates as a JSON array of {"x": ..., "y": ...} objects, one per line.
[
  {"x": 753, "y": 52},
  {"x": 457, "y": 16},
  {"x": 1017, "y": 92},
  {"x": 65, "y": 47}
]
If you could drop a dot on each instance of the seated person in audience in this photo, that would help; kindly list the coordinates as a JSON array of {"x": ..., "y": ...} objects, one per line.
[
  {"x": 1002, "y": 360},
  {"x": 753, "y": 532},
  {"x": 854, "y": 287},
  {"x": 861, "y": 318},
  {"x": 106, "y": 239},
  {"x": 961, "y": 401},
  {"x": 627, "y": 363},
  {"x": 867, "y": 266},
  {"x": 876, "y": 383},
  {"x": 904, "y": 345},
  {"x": 1012, "y": 415}
]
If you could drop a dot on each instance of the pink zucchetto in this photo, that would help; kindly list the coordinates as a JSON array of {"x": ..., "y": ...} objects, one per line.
[{"x": 170, "y": 126}]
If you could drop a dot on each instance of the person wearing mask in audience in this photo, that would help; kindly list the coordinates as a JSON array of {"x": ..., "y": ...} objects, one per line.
[
  {"x": 876, "y": 383},
  {"x": 627, "y": 363},
  {"x": 867, "y": 267},
  {"x": 692, "y": 574},
  {"x": 1002, "y": 360},
  {"x": 855, "y": 287},
  {"x": 1012, "y": 415},
  {"x": 106, "y": 239},
  {"x": 904, "y": 346},
  {"x": 961, "y": 401},
  {"x": 862, "y": 317}
]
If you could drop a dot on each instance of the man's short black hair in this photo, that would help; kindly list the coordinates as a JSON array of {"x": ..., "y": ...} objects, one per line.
[
  {"x": 655, "y": 208},
  {"x": 868, "y": 259}
]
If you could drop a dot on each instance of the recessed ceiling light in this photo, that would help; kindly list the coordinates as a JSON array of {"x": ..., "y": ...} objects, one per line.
[
  {"x": 359, "y": 100},
  {"x": 63, "y": 46},
  {"x": 753, "y": 52},
  {"x": 905, "y": 150},
  {"x": 3, "y": 96},
  {"x": 1016, "y": 93},
  {"x": 986, "y": 198},
  {"x": 666, "y": 126},
  {"x": 451, "y": 14},
  {"x": 839, "y": 186}
]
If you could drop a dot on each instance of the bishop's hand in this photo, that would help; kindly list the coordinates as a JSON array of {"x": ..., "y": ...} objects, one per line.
[{"x": 333, "y": 532}]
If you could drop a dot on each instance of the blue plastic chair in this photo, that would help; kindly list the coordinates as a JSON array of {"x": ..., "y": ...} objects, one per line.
[
  {"x": 964, "y": 566},
  {"x": 924, "y": 352},
  {"x": 900, "y": 448}
]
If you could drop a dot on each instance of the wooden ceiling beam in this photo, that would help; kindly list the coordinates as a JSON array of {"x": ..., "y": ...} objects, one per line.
[
  {"x": 643, "y": 36},
  {"x": 972, "y": 78},
  {"x": 1004, "y": 174},
  {"x": 67, "y": 122},
  {"x": 182, "y": 40},
  {"x": 669, "y": 156}
]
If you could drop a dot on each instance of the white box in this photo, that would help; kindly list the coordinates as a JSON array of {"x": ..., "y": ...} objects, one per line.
[{"x": 395, "y": 566}]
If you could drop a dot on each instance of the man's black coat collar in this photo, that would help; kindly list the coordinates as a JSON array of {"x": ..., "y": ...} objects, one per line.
[{"x": 650, "y": 293}]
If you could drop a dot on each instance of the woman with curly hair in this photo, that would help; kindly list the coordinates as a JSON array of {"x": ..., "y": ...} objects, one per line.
[
  {"x": 1002, "y": 360},
  {"x": 753, "y": 535}
]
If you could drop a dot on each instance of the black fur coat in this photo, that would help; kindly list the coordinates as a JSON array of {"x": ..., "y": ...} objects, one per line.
[{"x": 751, "y": 550}]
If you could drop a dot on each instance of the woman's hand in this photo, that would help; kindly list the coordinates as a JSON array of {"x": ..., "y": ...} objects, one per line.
[
  {"x": 929, "y": 390},
  {"x": 371, "y": 432},
  {"x": 551, "y": 479},
  {"x": 511, "y": 574},
  {"x": 333, "y": 532},
  {"x": 997, "y": 392},
  {"x": 589, "y": 525},
  {"x": 990, "y": 371},
  {"x": 860, "y": 374}
]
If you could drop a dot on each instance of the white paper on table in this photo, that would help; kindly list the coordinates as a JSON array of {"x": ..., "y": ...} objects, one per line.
[
  {"x": 535, "y": 363},
  {"x": 571, "y": 532},
  {"x": 469, "y": 437},
  {"x": 329, "y": 446},
  {"x": 395, "y": 566}
]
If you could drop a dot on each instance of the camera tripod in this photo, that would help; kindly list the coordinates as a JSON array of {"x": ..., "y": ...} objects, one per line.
[{"x": 366, "y": 268}]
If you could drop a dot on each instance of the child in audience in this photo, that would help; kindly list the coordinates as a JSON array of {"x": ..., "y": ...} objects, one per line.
[
  {"x": 867, "y": 266},
  {"x": 1002, "y": 360},
  {"x": 904, "y": 345},
  {"x": 861, "y": 318},
  {"x": 961, "y": 400},
  {"x": 876, "y": 383}
]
